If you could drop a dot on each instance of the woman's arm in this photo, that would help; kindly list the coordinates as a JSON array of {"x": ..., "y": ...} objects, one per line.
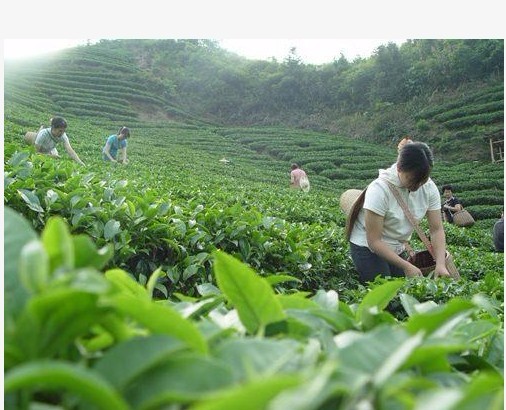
[
  {"x": 39, "y": 150},
  {"x": 123, "y": 155},
  {"x": 107, "y": 151},
  {"x": 457, "y": 207},
  {"x": 374, "y": 232},
  {"x": 72, "y": 153},
  {"x": 438, "y": 241}
]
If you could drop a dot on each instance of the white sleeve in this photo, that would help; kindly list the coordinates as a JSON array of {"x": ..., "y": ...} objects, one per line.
[
  {"x": 376, "y": 198},
  {"x": 434, "y": 198}
]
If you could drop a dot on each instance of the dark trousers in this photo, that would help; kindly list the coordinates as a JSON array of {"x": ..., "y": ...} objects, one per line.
[{"x": 369, "y": 265}]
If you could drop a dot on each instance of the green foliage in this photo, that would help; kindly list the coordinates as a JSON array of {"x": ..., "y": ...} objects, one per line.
[
  {"x": 431, "y": 89},
  {"x": 173, "y": 218},
  {"x": 181, "y": 282},
  {"x": 253, "y": 298},
  {"x": 17, "y": 233},
  {"x": 422, "y": 125},
  {"x": 89, "y": 339}
]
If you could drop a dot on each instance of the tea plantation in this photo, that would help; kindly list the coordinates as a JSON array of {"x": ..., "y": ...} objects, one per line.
[{"x": 181, "y": 282}]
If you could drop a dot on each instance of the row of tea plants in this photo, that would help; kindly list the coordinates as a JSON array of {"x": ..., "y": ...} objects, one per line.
[
  {"x": 151, "y": 256},
  {"x": 78, "y": 336}
]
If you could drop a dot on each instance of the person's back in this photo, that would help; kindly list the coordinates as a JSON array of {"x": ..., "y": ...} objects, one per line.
[
  {"x": 498, "y": 234},
  {"x": 298, "y": 178},
  {"x": 297, "y": 174}
]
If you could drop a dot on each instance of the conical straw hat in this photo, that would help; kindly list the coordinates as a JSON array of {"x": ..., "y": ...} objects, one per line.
[{"x": 348, "y": 198}]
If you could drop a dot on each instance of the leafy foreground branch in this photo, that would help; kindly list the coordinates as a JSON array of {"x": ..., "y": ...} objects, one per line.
[{"x": 78, "y": 338}]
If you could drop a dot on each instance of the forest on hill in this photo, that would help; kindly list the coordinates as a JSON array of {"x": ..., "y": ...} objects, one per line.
[{"x": 449, "y": 93}]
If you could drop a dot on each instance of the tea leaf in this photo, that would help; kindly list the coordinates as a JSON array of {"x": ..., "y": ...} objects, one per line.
[
  {"x": 17, "y": 233},
  {"x": 251, "y": 295},
  {"x": 52, "y": 375},
  {"x": 58, "y": 243}
]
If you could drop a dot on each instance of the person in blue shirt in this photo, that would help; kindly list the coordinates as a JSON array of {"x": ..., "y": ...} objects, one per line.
[{"x": 115, "y": 148}]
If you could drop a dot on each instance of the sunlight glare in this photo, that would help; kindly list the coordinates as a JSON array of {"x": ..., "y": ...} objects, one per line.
[{"x": 22, "y": 48}]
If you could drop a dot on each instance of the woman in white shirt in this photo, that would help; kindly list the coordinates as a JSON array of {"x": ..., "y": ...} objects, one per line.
[
  {"x": 48, "y": 138},
  {"x": 379, "y": 233}
]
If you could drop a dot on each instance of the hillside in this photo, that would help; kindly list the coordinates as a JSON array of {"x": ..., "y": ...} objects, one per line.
[
  {"x": 85, "y": 82},
  {"x": 110, "y": 84},
  {"x": 456, "y": 124},
  {"x": 196, "y": 82}
]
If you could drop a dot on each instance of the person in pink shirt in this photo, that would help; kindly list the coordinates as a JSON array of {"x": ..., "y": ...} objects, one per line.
[{"x": 298, "y": 178}]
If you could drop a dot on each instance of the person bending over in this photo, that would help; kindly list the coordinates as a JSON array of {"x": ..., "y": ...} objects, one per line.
[
  {"x": 451, "y": 204},
  {"x": 498, "y": 234},
  {"x": 379, "y": 233},
  {"x": 48, "y": 138},
  {"x": 115, "y": 148},
  {"x": 298, "y": 178}
]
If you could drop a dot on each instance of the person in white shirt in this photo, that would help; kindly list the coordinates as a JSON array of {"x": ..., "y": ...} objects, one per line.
[
  {"x": 379, "y": 233},
  {"x": 48, "y": 138}
]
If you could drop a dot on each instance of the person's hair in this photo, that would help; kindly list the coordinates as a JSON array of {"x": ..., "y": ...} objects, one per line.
[
  {"x": 58, "y": 122},
  {"x": 446, "y": 187},
  {"x": 125, "y": 131},
  {"x": 416, "y": 158},
  {"x": 295, "y": 166}
]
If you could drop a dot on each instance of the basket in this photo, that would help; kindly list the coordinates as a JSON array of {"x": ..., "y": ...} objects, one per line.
[
  {"x": 30, "y": 137},
  {"x": 424, "y": 261},
  {"x": 463, "y": 218},
  {"x": 348, "y": 198}
]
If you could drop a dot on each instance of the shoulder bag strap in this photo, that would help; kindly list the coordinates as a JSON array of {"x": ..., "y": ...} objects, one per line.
[{"x": 410, "y": 217}]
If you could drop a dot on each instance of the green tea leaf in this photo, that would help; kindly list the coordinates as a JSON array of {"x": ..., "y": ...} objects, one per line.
[
  {"x": 259, "y": 358},
  {"x": 54, "y": 319},
  {"x": 379, "y": 297},
  {"x": 275, "y": 279},
  {"x": 435, "y": 320},
  {"x": 126, "y": 361},
  {"x": 125, "y": 283},
  {"x": 86, "y": 253},
  {"x": 366, "y": 353},
  {"x": 111, "y": 229},
  {"x": 31, "y": 199},
  {"x": 178, "y": 379},
  {"x": 396, "y": 359},
  {"x": 484, "y": 391},
  {"x": 50, "y": 375},
  {"x": 58, "y": 243},
  {"x": 251, "y": 295},
  {"x": 160, "y": 319},
  {"x": 252, "y": 396},
  {"x": 17, "y": 233},
  {"x": 296, "y": 301},
  {"x": 34, "y": 266}
]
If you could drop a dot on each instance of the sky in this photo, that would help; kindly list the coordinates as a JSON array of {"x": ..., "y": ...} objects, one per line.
[
  {"x": 310, "y": 51},
  {"x": 320, "y": 30}
]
